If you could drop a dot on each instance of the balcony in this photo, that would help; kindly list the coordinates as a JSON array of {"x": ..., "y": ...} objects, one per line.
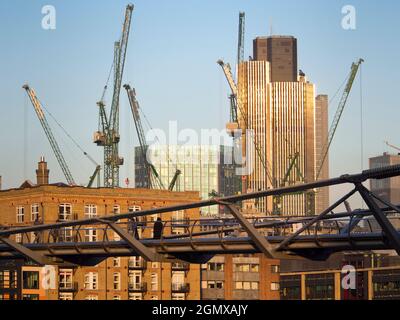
[
  {"x": 68, "y": 287},
  {"x": 180, "y": 266},
  {"x": 180, "y": 287},
  {"x": 137, "y": 287},
  {"x": 137, "y": 264}
]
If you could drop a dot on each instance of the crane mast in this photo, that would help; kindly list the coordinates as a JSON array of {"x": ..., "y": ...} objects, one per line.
[
  {"x": 108, "y": 134},
  {"x": 342, "y": 103},
  {"x": 152, "y": 176},
  {"x": 53, "y": 142},
  {"x": 241, "y": 33},
  {"x": 231, "y": 127}
]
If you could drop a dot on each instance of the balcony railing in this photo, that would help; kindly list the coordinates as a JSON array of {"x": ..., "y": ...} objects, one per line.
[
  {"x": 138, "y": 287},
  {"x": 137, "y": 264},
  {"x": 180, "y": 287},
  {"x": 180, "y": 266},
  {"x": 68, "y": 286},
  {"x": 176, "y": 222}
]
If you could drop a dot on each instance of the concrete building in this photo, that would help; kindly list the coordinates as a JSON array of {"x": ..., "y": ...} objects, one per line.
[
  {"x": 376, "y": 278},
  {"x": 281, "y": 53},
  {"x": 208, "y": 169},
  {"x": 119, "y": 278},
  {"x": 240, "y": 277},
  {"x": 387, "y": 189},
  {"x": 321, "y": 139}
]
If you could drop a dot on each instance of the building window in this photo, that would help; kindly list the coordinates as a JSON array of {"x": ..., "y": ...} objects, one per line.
[
  {"x": 90, "y": 235},
  {"x": 116, "y": 297},
  {"x": 92, "y": 297},
  {"x": 254, "y": 268},
  {"x": 91, "y": 281},
  {"x": 117, "y": 281},
  {"x": 134, "y": 208},
  {"x": 35, "y": 212},
  {"x": 178, "y": 296},
  {"x": 275, "y": 286},
  {"x": 154, "y": 282},
  {"x": 116, "y": 209},
  {"x": 65, "y": 212},
  {"x": 20, "y": 214},
  {"x": 65, "y": 234},
  {"x": 135, "y": 296},
  {"x": 246, "y": 267},
  {"x": 275, "y": 268},
  {"x": 154, "y": 298},
  {"x": 90, "y": 210},
  {"x": 214, "y": 266},
  {"x": 66, "y": 296},
  {"x": 8, "y": 279},
  {"x": 135, "y": 279},
  {"x": 31, "y": 279},
  {"x": 211, "y": 284},
  {"x": 246, "y": 285},
  {"x": 65, "y": 279},
  {"x": 18, "y": 238},
  {"x": 30, "y": 297},
  {"x": 117, "y": 262}
]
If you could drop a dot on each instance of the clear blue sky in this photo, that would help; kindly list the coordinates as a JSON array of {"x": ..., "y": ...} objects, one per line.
[{"x": 171, "y": 62}]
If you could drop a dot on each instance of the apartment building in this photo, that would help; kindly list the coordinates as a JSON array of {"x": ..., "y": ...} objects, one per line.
[
  {"x": 240, "y": 277},
  {"x": 118, "y": 278}
]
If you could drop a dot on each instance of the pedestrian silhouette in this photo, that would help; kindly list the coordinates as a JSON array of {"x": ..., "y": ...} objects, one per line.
[
  {"x": 134, "y": 228},
  {"x": 157, "y": 229}
]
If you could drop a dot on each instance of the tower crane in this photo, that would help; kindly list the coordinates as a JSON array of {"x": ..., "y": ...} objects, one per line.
[
  {"x": 240, "y": 53},
  {"x": 152, "y": 176},
  {"x": 108, "y": 134},
  {"x": 236, "y": 106},
  {"x": 342, "y": 103},
  {"x": 153, "y": 179},
  {"x": 53, "y": 142},
  {"x": 392, "y": 146}
]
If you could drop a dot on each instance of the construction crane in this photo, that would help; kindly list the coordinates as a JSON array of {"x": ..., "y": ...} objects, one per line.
[
  {"x": 392, "y": 146},
  {"x": 108, "y": 134},
  {"x": 342, "y": 103},
  {"x": 174, "y": 179},
  {"x": 234, "y": 124},
  {"x": 153, "y": 179},
  {"x": 54, "y": 145},
  {"x": 96, "y": 172},
  {"x": 152, "y": 176},
  {"x": 240, "y": 53}
]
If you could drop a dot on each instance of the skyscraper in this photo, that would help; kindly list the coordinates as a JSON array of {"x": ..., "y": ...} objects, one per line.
[
  {"x": 289, "y": 123},
  {"x": 281, "y": 53},
  {"x": 282, "y": 116},
  {"x": 321, "y": 139}
]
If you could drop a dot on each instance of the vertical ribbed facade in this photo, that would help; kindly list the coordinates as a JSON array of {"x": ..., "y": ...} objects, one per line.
[
  {"x": 293, "y": 132},
  {"x": 321, "y": 139},
  {"x": 282, "y": 116},
  {"x": 253, "y": 81}
]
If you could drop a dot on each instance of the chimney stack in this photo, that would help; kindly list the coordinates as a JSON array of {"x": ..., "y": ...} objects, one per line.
[{"x": 42, "y": 173}]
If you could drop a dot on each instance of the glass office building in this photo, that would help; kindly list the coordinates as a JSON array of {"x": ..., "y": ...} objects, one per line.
[{"x": 209, "y": 169}]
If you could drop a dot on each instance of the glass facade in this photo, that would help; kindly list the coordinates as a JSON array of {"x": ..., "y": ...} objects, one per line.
[{"x": 208, "y": 169}]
